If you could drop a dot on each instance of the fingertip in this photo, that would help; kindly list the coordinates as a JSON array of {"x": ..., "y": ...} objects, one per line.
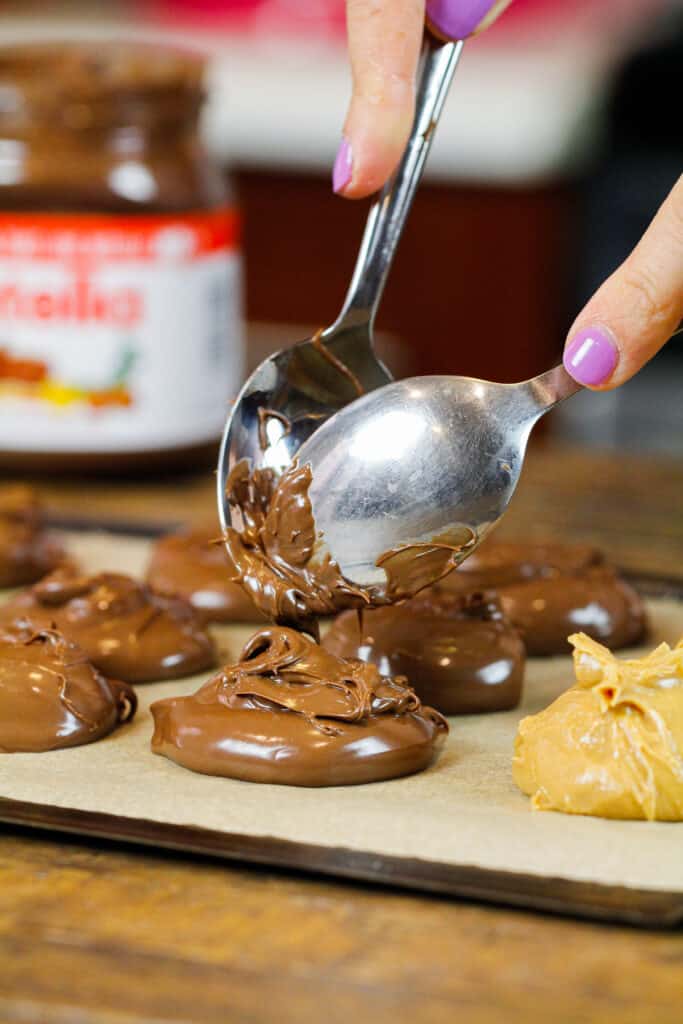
[
  {"x": 361, "y": 170},
  {"x": 591, "y": 356},
  {"x": 370, "y": 151},
  {"x": 370, "y": 172},
  {"x": 342, "y": 170}
]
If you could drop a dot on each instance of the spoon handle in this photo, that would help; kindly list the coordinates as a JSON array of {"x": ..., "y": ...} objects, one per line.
[
  {"x": 549, "y": 388},
  {"x": 388, "y": 213}
]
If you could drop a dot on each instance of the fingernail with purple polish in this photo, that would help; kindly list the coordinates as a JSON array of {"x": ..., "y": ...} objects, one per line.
[
  {"x": 343, "y": 167},
  {"x": 591, "y": 356},
  {"x": 457, "y": 19}
]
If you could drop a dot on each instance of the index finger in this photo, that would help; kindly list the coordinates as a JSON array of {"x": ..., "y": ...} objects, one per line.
[{"x": 384, "y": 46}]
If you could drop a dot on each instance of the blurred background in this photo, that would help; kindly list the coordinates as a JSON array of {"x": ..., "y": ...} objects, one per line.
[{"x": 561, "y": 137}]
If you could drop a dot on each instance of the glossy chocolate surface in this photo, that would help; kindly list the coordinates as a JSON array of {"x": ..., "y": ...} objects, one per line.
[
  {"x": 460, "y": 654},
  {"x": 499, "y": 563},
  {"x": 127, "y": 630},
  {"x": 596, "y": 602},
  {"x": 550, "y": 590},
  {"x": 51, "y": 696},
  {"x": 290, "y": 712},
  {"x": 279, "y": 561},
  {"x": 194, "y": 565},
  {"x": 27, "y": 551}
]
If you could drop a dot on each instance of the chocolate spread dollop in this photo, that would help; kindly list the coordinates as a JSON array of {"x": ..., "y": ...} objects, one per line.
[
  {"x": 460, "y": 653},
  {"x": 51, "y": 696},
  {"x": 281, "y": 563},
  {"x": 193, "y": 564},
  {"x": 499, "y": 563},
  {"x": 291, "y": 712},
  {"x": 551, "y": 590},
  {"x": 127, "y": 630},
  {"x": 27, "y": 551}
]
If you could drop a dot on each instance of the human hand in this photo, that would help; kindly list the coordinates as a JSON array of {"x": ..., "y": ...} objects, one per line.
[
  {"x": 635, "y": 312},
  {"x": 385, "y": 37}
]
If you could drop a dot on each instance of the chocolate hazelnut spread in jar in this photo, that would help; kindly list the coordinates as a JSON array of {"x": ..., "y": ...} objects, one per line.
[{"x": 120, "y": 316}]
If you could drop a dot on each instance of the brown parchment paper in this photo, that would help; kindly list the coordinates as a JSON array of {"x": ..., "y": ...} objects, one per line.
[{"x": 465, "y": 810}]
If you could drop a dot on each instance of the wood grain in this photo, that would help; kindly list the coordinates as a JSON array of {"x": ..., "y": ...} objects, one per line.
[
  {"x": 614, "y": 903},
  {"x": 105, "y": 934}
]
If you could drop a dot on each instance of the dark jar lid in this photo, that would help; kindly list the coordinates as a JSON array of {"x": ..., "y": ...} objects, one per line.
[{"x": 85, "y": 84}]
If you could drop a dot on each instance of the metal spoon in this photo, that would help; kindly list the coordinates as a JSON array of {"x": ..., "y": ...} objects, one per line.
[
  {"x": 289, "y": 395},
  {"x": 420, "y": 460}
]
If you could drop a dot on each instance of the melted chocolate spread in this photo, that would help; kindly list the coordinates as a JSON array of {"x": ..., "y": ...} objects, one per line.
[
  {"x": 273, "y": 555},
  {"x": 194, "y": 565},
  {"x": 461, "y": 654},
  {"x": 291, "y": 712},
  {"x": 499, "y": 563},
  {"x": 126, "y": 630},
  {"x": 596, "y": 602},
  {"x": 341, "y": 367},
  {"x": 27, "y": 552},
  {"x": 279, "y": 561},
  {"x": 51, "y": 696},
  {"x": 551, "y": 590},
  {"x": 265, "y": 414}
]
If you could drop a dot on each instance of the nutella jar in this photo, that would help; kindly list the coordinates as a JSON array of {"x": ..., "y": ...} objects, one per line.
[{"x": 120, "y": 314}]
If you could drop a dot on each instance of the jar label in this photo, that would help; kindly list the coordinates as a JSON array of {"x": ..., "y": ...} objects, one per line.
[{"x": 118, "y": 333}]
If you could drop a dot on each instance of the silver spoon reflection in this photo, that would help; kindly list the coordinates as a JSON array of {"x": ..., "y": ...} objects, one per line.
[{"x": 421, "y": 460}]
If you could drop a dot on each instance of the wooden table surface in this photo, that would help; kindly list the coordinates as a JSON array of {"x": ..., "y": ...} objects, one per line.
[{"x": 99, "y": 932}]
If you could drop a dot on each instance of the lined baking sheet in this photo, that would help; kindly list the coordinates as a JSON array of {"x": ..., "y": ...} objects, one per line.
[{"x": 464, "y": 814}]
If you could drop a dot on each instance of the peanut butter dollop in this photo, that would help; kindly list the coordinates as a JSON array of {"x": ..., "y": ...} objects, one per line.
[
  {"x": 51, "y": 696},
  {"x": 611, "y": 745},
  {"x": 290, "y": 712}
]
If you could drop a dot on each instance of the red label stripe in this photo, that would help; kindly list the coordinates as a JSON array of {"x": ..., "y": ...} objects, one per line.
[{"x": 109, "y": 237}]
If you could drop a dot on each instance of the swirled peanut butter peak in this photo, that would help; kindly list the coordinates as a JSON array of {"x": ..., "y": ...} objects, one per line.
[
  {"x": 127, "y": 630},
  {"x": 27, "y": 551},
  {"x": 51, "y": 696},
  {"x": 611, "y": 745},
  {"x": 281, "y": 563},
  {"x": 291, "y": 712}
]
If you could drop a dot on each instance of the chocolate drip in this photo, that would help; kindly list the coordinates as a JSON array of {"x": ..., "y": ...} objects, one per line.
[
  {"x": 126, "y": 630},
  {"x": 410, "y": 568},
  {"x": 264, "y": 415},
  {"x": 274, "y": 554},
  {"x": 291, "y": 712},
  {"x": 280, "y": 562},
  {"x": 319, "y": 345},
  {"x": 51, "y": 696}
]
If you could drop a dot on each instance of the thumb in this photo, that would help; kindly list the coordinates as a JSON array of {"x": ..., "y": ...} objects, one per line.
[{"x": 635, "y": 312}]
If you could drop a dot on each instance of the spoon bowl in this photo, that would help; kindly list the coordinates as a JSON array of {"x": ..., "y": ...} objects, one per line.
[
  {"x": 421, "y": 461},
  {"x": 289, "y": 395}
]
